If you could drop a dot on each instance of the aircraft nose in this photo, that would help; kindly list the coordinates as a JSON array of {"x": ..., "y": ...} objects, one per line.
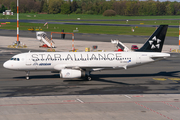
[{"x": 6, "y": 65}]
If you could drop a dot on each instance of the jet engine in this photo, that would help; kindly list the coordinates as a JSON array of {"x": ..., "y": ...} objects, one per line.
[{"x": 70, "y": 73}]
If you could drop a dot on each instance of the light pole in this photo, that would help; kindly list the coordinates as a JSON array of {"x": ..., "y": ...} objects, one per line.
[{"x": 18, "y": 42}]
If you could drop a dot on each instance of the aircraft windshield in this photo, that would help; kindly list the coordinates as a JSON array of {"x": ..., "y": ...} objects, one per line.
[{"x": 15, "y": 59}]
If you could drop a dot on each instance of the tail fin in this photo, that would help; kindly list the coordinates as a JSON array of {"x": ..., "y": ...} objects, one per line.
[{"x": 156, "y": 41}]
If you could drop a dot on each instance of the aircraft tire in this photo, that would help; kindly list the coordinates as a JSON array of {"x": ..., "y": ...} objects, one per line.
[
  {"x": 27, "y": 78},
  {"x": 89, "y": 78}
]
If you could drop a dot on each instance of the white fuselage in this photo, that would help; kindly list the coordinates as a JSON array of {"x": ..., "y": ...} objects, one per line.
[{"x": 56, "y": 61}]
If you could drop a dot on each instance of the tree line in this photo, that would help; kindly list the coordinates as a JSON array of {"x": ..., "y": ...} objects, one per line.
[{"x": 121, "y": 7}]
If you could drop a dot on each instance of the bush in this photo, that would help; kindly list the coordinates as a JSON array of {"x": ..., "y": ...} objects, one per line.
[
  {"x": 78, "y": 11},
  {"x": 89, "y": 12},
  {"x": 65, "y": 8},
  {"x": 109, "y": 13}
]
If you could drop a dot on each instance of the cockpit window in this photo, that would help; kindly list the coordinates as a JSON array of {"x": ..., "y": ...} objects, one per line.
[{"x": 15, "y": 59}]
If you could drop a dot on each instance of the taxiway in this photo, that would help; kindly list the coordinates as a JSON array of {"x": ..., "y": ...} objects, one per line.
[{"x": 145, "y": 92}]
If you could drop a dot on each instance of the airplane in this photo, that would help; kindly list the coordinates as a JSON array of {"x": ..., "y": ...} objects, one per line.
[{"x": 81, "y": 64}]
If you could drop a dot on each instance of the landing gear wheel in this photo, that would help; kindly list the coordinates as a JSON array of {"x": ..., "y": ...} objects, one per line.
[
  {"x": 89, "y": 78},
  {"x": 27, "y": 75},
  {"x": 88, "y": 75}
]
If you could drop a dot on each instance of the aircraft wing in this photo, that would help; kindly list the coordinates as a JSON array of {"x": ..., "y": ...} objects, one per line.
[
  {"x": 88, "y": 68},
  {"x": 77, "y": 67}
]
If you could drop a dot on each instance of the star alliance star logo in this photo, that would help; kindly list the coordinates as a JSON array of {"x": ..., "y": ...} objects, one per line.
[{"x": 154, "y": 43}]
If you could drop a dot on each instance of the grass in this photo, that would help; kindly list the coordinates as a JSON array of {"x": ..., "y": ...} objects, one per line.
[
  {"x": 119, "y": 30},
  {"x": 152, "y": 22},
  {"x": 82, "y": 16}
]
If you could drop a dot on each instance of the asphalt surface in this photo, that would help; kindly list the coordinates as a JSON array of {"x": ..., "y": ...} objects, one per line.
[
  {"x": 70, "y": 23},
  {"x": 91, "y": 37},
  {"x": 161, "y": 77},
  {"x": 146, "y": 92},
  {"x": 158, "y": 77}
]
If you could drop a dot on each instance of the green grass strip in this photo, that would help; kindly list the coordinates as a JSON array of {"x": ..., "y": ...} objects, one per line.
[
  {"x": 81, "y": 16},
  {"x": 119, "y": 30}
]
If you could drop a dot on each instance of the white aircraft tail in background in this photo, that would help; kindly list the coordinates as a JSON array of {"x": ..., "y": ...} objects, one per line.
[{"x": 81, "y": 64}]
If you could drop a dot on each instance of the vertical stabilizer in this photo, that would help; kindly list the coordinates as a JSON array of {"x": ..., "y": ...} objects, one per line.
[{"x": 156, "y": 41}]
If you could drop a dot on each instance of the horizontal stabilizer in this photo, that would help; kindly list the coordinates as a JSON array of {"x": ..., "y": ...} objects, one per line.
[{"x": 161, "y": 55}]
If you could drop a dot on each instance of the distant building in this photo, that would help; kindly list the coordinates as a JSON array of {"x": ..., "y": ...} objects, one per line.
[{"x": 8, "y": 12}]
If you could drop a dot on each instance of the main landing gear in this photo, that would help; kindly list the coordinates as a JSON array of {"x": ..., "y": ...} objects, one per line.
[
  {"x": 27, "y": 75},
  {"x": 88, "y": 76}
]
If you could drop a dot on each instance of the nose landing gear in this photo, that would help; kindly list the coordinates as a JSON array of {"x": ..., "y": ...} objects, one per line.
[{"x": 27, "y": 75}]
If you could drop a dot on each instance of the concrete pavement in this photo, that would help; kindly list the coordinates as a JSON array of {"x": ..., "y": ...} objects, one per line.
[
  {"x": 91, "y": 107},
  {"x": 66, "y": 45}
]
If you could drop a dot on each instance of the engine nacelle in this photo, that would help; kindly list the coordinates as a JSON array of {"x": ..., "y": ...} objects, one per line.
[{"x": 70, "y": 73}]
